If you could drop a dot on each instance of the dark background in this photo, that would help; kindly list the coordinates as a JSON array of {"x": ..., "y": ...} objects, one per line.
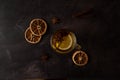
[{"x": 97, "y": 32}]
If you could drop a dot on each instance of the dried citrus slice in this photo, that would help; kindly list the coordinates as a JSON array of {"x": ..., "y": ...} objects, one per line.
[
  {"x": 30, "y": 37},
  {"x": 63, "y": 41},
  {"x": 80, "y": 58},
  {"x": 38, "y": 26}
]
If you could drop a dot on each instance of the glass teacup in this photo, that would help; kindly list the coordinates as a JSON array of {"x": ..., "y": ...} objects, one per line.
[{"x": 63, "y": 41}]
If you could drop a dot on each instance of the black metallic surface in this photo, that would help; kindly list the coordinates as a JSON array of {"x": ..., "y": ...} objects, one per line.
[{"x": 97, "y": 32}]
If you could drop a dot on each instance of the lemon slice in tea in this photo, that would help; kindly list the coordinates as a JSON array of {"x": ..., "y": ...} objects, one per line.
[{"x": 66, "y": 43}]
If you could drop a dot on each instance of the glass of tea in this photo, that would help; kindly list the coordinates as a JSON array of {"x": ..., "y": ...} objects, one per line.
[{"x": 63, "y": 41}]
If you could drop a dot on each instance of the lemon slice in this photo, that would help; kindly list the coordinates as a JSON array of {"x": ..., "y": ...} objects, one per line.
[
  {"x": 66, "y": 43},
  {"x": 30, "y": 37},
  {"x": 38, "y": 26},
  {"x": 80, "y": 58}
]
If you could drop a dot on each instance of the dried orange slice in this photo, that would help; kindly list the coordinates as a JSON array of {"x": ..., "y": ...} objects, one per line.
[
  {"x": 30, "y": 37},
  {"x": 80, "y": 58},
  {"x": 38, "y": 26}
]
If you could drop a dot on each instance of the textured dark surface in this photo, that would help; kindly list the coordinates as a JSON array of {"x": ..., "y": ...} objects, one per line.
[{"x": 97, "y": 33}]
